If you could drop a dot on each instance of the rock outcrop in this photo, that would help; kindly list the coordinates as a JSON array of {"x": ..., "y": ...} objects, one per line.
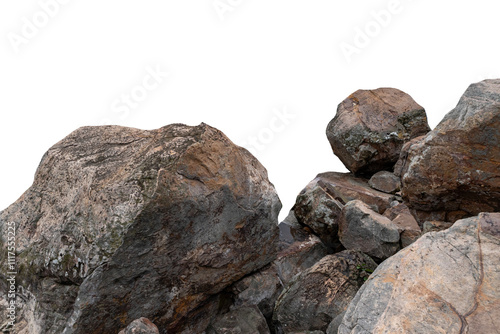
[
  {"x": 122, "y": 223},
  {"x": 371, "y": 126},
  {"x": 316, "y": 296},
  {"x": 457, "y": 165},
  {"x": 446, "y": 282}
]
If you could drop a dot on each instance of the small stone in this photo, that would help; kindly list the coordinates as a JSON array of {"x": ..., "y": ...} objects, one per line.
[
  {"x": 386, "y": 182},
  {"x": 140, "y": 326}
]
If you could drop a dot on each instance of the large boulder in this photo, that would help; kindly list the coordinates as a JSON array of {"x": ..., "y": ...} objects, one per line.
[
  {"x": 456, "y": 166},
  {"x": 446, "y": 282},
  {"x": 365, "y": 230},
  {"x": 316, "y": 296},
  {"x": 371, "y": 126},
  {"x": 320, "y": 203},
  {"x": 122, "y": 223}
]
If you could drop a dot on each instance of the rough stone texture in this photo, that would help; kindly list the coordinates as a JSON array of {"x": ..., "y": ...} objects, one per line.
[
  {"x": 244, "y": 320},
  {"x": 260, "y": 289},
  {"x": 333, "y": 327},
  {"x": 446, "y": 282},
  {"x": 457, "y": 165},
  {"x": 140, "y": 326},
  {"x": 320, "y": 203},
  {"x": 436, "y": 226},
  {"x": 304, "y": 252},
  {"x": 316, "y": 296},
  {"x": 362, "y": 229},
  {"x": 409, "y": 230},
  {"x": 385, "y": 181},
  {"x": 122, "y": 223},
  {"x": 371, "y": 126}
]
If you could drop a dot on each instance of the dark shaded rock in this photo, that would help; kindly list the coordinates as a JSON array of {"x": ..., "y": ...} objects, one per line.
[
  {"x": 446, "y": 282},
  {"x": 423, "y": 216},
  {"x": 371, "y": 126},
  {"x": 333, "y": 327},
  {"x": 316, "y": 296},
  {"x": 244, "y": 320},
  {"x": 140, "y": 326},
  {"x": 436, "y": 226},
  {"x": 456, "y": 166},
  {"x": 260, "y": 289},
  {"x": 299, "y": 256},
  {"x": 364, "y": 230},
  {"x": 385, "y": 181},
  {"x": 122, "y": 223},
  {"x": 320, "y": 203}
]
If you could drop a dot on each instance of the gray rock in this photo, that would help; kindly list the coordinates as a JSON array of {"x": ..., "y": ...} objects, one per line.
[
  {"x": 446, "y": 282},
  {"x": 316, "y": 296},
  {"x": 245, "y": 320},
  {"x": 371, "y": 126},
  {"x": 122, "y": 223},
  {"x": 260, "y": 289},
  {"x": 333, "y": 327},
  {"x": 140, "y": 326},
  {"x": 364, "y": 230},
  {"x": 386, "y": 182},
  {"x": 455, "y": 166},
  {"x": 320, "y": 203},
  {"x": 436, "y": 226}
]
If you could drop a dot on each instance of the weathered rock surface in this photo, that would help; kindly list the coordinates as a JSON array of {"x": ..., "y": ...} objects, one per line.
[
  {"x": 316, "y": 296},
  {"x": 364, "y": 230},
  {"x": 244, "y": 320},
  {"x": 371, "y": 126},
  {"x": 457, "y": 165},
  {"x": 320, "y": 203},
  {"x": 303, "y": 253},
  {"x": 140, "y": 326},
  {"x": 122, "y": 223},
  {"x": 436, "y": 226},
  {"x": 386, "y": 182},
  {"x": 446, "y": 282},
  {"x": 409, "y": 230},
  {"x": 260, "y": 289}
]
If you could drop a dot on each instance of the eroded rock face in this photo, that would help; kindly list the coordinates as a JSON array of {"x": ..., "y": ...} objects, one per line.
[
  {"x": 457, "y": 165},
  {"x": 362, "y": 229},
  {"x": 371, "y": 126},
  {"x": 446, "y": 282},
  {"x": 320, "y": 203},
  {"x": 244, "y": 320},
  {"x": 122, "y": 223},
  {"x": 140, "y": 326},
  {"x": 316, "y": 296}
]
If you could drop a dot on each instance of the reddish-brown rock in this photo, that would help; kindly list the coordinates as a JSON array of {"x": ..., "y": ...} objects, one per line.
[
  {"x": 457, "y": 165},
  {"x": 371, "y": 126}
]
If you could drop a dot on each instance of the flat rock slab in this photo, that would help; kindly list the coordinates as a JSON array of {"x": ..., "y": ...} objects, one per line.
[
  {"x": 371, "y": 126},
  {"x": 122, "y": 223},
  {"x": 446, "y": 282}
]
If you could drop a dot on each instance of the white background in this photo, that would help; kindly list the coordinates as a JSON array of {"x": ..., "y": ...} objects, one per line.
[{"x": 231, "y": 64}]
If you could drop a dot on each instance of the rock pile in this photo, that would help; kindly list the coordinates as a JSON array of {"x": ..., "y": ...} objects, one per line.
[{"x": 175, "y": 230}]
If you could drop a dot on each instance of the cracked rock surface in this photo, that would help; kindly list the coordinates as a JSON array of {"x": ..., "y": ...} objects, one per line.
[
  {"x": 446, "y": 282},
  {"x": 122, "y": 223}
]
